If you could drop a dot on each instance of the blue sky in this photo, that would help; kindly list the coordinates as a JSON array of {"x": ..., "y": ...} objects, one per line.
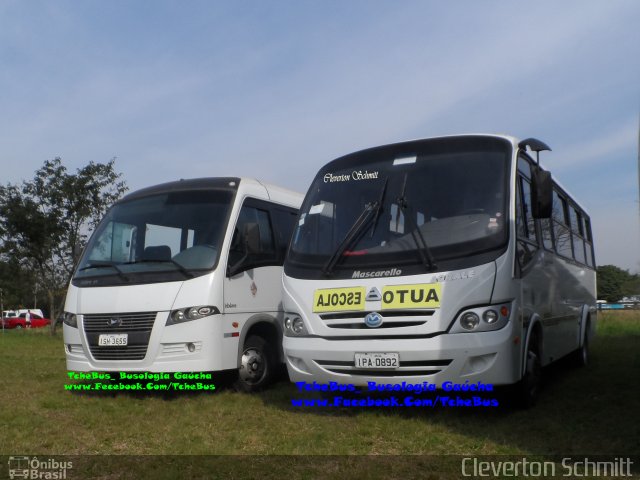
[{"x": 276, "y": 89}]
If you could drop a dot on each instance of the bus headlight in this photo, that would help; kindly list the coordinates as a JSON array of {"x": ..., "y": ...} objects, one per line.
[
  {"x": 469, "y": 321},
  {"x": 70, "y": 319},
  {"x": 294, "y": 326},
  {"x": 494, "y": 317},
  {"x": 490, "y": 316},
  {"x": 190, "y": 313}
]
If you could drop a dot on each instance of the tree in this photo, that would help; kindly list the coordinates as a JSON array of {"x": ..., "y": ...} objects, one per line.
[
  {"x": 615, "y": 283},
  {"x": 47, "y": 220},
  {"x": 16, "y": 285}
]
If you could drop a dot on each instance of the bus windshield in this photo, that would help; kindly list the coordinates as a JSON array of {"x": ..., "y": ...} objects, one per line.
[
  {"x": 162, "y": 237},
  {"x": 413, "y": 204}
]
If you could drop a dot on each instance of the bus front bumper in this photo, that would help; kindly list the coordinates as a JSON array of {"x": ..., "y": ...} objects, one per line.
[
  {"x": 487, "y": 357},
  {"x": 194, "y": 346}
]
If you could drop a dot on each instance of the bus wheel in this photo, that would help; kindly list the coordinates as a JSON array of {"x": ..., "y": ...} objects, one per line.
[
  {"x": 528, "y": 388},
  {"x": 257, "y": 365}
]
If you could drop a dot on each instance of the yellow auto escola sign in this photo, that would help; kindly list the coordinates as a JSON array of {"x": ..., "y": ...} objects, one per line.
[
  {"x": 338, "y": 299},
  {"x": 423, "y": 295}
]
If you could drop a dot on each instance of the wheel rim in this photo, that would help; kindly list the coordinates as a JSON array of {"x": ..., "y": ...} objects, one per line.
[{"x": 253, "y": 366}]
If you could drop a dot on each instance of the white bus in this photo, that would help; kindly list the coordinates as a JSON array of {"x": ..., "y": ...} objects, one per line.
[
  {"x": 184, "y": 277},
  {"x": 452, "y": 259}
]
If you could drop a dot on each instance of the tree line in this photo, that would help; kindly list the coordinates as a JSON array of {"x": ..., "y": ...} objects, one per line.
[
  {"x": 46, "y": 221},
  {"x": 614, "y": 283}
]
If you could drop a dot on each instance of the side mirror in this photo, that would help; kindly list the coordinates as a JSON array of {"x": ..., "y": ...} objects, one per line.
[{"x": 541, "y": 193}]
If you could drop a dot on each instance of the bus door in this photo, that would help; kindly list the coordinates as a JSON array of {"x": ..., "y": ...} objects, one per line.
[{"x": 253, "y": 277}]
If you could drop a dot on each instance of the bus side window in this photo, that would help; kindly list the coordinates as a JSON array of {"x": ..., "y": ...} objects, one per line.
[
  {"x": 577, "y": 235},
  {"x": 547, "y": 233},
  {"x": 527, "y": 242},
  {"x": 561, "y": 230},
  {"x": 267, "y": 253},
  {"x": 284, "y": 222},
  {"x": 588, "y": 242},
  {"x": 526, "y": 224}
]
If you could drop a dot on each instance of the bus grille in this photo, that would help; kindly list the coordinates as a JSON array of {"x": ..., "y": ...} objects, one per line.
[
  {"x": 392, "y": 319},
  {"x": 413, "y": 368},
  {"x": 137, "y": 325}
]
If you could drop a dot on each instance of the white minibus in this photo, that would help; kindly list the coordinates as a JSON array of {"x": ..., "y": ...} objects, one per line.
[
  {"x": 452, "y": 259},
  {"x": 184, "y": 277}
]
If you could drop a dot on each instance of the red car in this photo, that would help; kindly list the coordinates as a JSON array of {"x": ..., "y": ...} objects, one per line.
[{"x": 36, "y": 321}]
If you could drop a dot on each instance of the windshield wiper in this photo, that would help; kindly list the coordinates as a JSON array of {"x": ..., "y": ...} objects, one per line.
[
  {"x": 416, "y": 233},
  {"x": 356, "y": 229},
  {"x": 178, "y": 265},
  {"x": 121, "y": 274},
  {"x": 378, "y": 208}
]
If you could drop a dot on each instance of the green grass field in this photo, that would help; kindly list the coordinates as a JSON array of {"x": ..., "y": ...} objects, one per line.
[{"x": 581, "y": 411}]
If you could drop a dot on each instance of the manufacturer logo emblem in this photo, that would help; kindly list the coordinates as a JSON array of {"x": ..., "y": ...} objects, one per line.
[
  {"x": 114, "y": 322},
  {"x": 373, "y": 295},
  {"x": 394, "y": 272},
  {"x": 373, "y": 320}
]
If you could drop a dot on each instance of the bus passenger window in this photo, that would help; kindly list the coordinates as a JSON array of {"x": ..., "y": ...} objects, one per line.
[
  {"x": 547, "y": 238},
  {"x": 525, "y": 223},
  {"x": 561, "y": 230},
  {"x": 589, "y": 242},
  {"x": 577, "y": 234}
]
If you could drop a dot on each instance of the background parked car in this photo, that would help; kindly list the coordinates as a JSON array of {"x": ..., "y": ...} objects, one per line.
[
  {"x": 16, "y": 313},
  {"x": 21, "y": 321}
]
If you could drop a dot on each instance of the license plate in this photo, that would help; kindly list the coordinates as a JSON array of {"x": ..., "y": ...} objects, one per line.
[
  {"x": 113, "y": 339},
  {"x": 377, "y": 360}
]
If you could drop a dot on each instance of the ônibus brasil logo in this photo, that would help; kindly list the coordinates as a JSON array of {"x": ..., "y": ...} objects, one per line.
[{"x": 33, "y": 467}]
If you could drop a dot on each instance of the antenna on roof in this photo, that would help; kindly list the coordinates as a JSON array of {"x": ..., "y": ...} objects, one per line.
[{"x": 534, "y": 145}]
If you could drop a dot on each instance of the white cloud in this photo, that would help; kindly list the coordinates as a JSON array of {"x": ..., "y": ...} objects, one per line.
[
  {"x": 622, "y": 138},
  {"x": 276, "y": 93},
  {"x": 616, "y": 234}
]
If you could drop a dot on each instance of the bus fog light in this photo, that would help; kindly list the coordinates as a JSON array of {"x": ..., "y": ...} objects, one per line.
[
  {"x": 490, "y": 316},
  {"x": 469, "y": 321},
  {"x": 191, "y": 347}
]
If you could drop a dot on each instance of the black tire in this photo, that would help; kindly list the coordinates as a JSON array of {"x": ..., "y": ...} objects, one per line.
[
  {"x": 257, "y": 365},
  {"x": 18, "y": 327},
  {"x": 527, "y": 390},
  {"x": 581, "y": 355}
]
